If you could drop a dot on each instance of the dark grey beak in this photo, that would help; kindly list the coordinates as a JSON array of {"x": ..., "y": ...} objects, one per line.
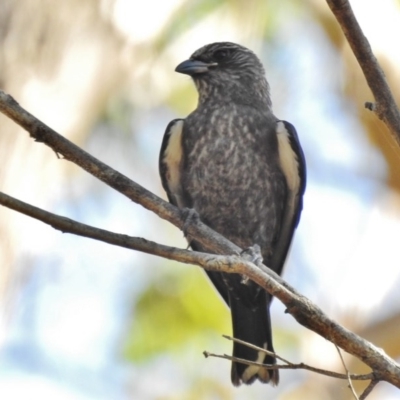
[{"x": 193, "y": 67}]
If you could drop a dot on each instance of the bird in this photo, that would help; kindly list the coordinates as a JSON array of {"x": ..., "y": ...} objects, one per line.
[{"x": 243, "y": 172}]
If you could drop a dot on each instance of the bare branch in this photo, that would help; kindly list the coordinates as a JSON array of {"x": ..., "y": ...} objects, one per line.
[
  {"x": 229, "y": 264},
  {"x": 305, "y": 312},
  {"x": 252, "y": 346},
  {"x": 385, "y": 107},
  {"x": 67, "y": 225},
  {"x": 243, "y": 361},
  {"x": 69, "y": 151},
  {"x": 302, "y": 365},
  {"x": 291, "y": 366},
  {"x": 347, "y": 374},
  {"x": 369, "y": 389}
]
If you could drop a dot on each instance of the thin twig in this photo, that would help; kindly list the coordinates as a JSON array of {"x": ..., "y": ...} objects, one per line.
[
  {"x": 347, "y": 374},
  {"x": 290, "y": 366},
  {"x": 243, "y": 361},
  {"x": 254, "y": 347},
  {"x": 305, "y": 366},
  {"x": 369, "y": 389}
]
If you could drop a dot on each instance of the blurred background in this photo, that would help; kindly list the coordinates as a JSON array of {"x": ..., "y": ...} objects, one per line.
[{"x": 85, "y": 320}]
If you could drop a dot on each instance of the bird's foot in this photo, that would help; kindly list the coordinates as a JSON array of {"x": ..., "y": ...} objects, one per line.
[
  {"x": 190, "y": 216},
  {"x": 252, "y": 254}
]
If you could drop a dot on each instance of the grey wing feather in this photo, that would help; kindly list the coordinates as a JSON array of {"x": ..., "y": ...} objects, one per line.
[{"x": 293, "y": 166}]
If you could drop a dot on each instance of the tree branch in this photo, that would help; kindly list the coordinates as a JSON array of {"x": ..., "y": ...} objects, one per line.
[
  {"x": 305, "y": 312},
  {"x": 219, "y": 263},
  {"x": 67, "y": 225},
  {"x": 348, "y": 375},
  {"x": 385, "y": 107},
  {"x": 71, "y": 152},
  {"x": 369, "y": 389},
  {"x": 289, "y": 364}
]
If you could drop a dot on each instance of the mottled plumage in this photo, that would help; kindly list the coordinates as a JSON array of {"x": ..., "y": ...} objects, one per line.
[{"x": 243, "y": 171}]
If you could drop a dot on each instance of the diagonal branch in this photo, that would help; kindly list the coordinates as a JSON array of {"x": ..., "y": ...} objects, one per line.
[
  {"x": 369, "y": 389},
  {"x": 385, "y": 107},
  {"x": 71, "y": 152},
  {"x": 219, "y": 263},
  {"x": 302, "y": 309},
  {"x": 67, "y": 225},
  {"x": 348, "y": 375}
]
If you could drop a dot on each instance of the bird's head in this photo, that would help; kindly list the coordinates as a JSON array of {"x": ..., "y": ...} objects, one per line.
[{"x": 227, "y": 70}]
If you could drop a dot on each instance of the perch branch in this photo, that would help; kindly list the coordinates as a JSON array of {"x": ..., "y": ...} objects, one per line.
[{"x": 71, "y": 152}]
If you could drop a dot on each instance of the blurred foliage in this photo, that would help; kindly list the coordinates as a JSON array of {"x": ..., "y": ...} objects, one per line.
[
  {"x": 183, "y": 100},
  {"x": 178, "y": 307},
  {"x": 202, "y": 389},
  {"x": 182, "y": 21}
]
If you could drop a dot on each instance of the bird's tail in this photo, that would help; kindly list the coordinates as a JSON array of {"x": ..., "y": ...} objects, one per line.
[{"x": 252, "y": 326}]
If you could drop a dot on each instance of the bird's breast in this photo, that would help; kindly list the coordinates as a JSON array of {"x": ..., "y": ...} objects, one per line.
[{"x": 232, "y": 177}]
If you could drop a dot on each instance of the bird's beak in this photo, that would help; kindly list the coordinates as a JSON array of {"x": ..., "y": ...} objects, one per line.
[{"x": 193, "y": 67}]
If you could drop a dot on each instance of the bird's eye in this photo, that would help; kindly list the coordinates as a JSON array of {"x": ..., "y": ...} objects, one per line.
[{"x": 221, "y": 55}]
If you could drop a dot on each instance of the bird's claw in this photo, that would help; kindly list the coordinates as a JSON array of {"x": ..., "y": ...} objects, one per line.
[
  {"x": 190, "y": 216},
  {"x": 252, "y": 254}
]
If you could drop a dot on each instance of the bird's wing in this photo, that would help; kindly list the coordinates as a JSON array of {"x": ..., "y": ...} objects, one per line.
[
  {"x": 170, "y": 162},
  {"x": 293, "y": 166},
  {"x": 170, "y": 167}
]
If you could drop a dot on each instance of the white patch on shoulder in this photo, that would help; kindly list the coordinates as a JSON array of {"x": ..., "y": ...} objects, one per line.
[
  {"x": 172, "y": 158},
  {"x": 252, "y": 370},
  {"x": 288, "y": 158}
]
